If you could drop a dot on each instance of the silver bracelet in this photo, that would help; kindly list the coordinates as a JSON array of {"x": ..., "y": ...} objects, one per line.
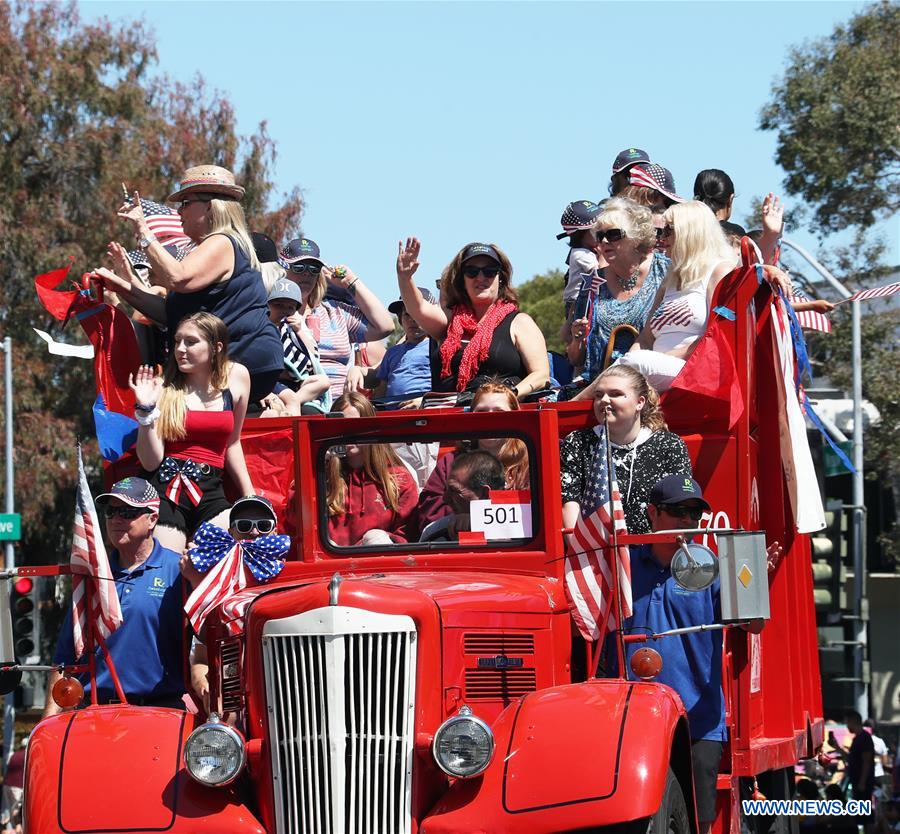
[{"x": 147, "y": 419}]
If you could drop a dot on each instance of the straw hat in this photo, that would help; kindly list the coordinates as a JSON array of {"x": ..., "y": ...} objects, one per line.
[{"x": 209, "y": 179}]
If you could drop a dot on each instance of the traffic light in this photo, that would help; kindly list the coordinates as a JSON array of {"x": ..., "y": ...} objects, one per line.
[
  {"x": 26, "y": 636},
  {"x": 828, "y": 551}
]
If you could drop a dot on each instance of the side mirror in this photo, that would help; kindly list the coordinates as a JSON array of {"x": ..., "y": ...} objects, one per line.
[
  {"x": 694, "y": 567},
  {"x": 9, "y": 680}
]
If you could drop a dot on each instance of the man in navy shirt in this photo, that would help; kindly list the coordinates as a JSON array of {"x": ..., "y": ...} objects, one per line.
[
  {"x": 147, "y": 648},
  {"x": 692, "y": 663}
]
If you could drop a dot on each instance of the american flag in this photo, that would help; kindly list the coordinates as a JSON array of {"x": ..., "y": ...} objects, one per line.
[
  {"x": 809, "y": 319},
  {"x": 675, "y": 312},
  {"x": 589, "y": 580},
  {"x": 875, "y": 292},
  {"x": 94, "y": 603},
  {"x": 164, "y": 222}
]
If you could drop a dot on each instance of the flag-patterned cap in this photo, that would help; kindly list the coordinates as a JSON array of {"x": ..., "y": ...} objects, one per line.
[
  {"x": 136, "y": 492},
  {"x": 577, "y": 216},
  {"x": 138, "y": 257},
  {"x": 629, "y": 156},
  {"x": 301, "y": 249},
  {"x": 656, "y": 177},
  {"x": 207, "y": 179}
]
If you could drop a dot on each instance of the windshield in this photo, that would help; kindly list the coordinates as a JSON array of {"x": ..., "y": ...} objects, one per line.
[{"x": 447, "y": 491}]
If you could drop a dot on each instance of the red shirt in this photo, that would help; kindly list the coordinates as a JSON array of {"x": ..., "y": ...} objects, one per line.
[{"x": 367, "y": 510}]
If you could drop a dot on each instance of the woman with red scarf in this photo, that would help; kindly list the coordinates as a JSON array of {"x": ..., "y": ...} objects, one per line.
[{"x": 480, "y": 332}]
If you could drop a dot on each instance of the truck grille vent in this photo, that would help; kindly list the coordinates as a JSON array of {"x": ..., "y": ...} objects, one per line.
[
  {"x": 230, "y": 666},
  {"x": 498, "y": 644},
  {"x": 499, "y": 684},
  {"x": 341, "y": 698}
]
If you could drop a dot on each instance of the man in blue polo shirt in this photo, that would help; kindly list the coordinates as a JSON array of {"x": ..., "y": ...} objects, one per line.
[
  {"x": 147, "y": 648},
  {"x": 692, "y": 663}
]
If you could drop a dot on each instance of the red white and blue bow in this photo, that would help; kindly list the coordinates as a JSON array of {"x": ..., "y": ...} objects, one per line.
[
  {"x": 216, "y": 551},
  {"x": 180, "y": 473}
]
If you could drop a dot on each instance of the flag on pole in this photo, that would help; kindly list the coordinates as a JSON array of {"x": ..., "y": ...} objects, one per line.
[
  {"x": 809, "y": 319},
  {"x": 591, "y": 560},
  {"x": 164, "y": 222},
  {"x": 94, "y": 603},
  {"x": 875, "y": 292}
]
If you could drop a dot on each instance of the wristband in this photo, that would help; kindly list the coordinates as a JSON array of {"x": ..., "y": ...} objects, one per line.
[
  {"x": 146, "y": 408},
  {"x": 147, "y": 420}
]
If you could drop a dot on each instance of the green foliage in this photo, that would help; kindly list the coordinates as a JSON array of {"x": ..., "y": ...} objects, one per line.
[
  {"x": 836, "y": 112},
  {"x": 80, "y": 113},
  {"x": 542, "y": 299}
]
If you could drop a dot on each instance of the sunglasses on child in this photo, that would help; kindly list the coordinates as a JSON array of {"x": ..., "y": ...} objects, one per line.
[
  {"x": 489, "y": 272},
  {"x": 128, "y": 513},
  {"x": 693, "y": 513},
  {"x": 612, "y": 235},
  {"x": 248, "y": 525},
  {"x": 299, "y": 269}
]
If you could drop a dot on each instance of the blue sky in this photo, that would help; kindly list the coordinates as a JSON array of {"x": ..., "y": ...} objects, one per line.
[{"x": 460, "y": 121}]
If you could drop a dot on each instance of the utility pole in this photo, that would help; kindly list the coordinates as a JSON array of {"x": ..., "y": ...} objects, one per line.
[
  {"x": 860, "y": 616},
  {"x": 9, "y": 703}
]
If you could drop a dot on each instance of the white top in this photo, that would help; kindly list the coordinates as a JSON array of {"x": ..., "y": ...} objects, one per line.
[
  {"x": 681, "y": 317},
  {"x": 583, "y": 264}
]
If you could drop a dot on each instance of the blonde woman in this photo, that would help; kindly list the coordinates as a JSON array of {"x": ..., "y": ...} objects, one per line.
[
  {"x": 701, "y": 258},
  {"x": 220, "y": 275},
  {"x": 370, "y": 494},
  {"x": 642, "y": 449},
  {"x": 190, "y": 429}
]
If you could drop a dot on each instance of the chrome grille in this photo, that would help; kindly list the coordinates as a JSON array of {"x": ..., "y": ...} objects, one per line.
[
  {"x": 230, "y": 667},
  {"x": 340, "y": 687}
]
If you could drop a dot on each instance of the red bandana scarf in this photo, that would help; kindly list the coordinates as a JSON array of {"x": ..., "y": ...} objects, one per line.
[{"x": 480, "y": 334}]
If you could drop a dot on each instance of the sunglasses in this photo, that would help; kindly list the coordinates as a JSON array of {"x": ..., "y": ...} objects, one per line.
[
  {"x": 248, "y": 525},
  {"x": 665, "y": 231},
  {"x": 299, "y": 269},
  {"x": 184, "y": 203},
  {"x": 489, "y": 272},
  {"x": 128, "y": 513},
  {"x": 693, "y": 513},
  {"x": 612, "y": 235}
]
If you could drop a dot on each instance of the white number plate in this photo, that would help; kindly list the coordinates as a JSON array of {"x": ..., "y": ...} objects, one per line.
[{"x": 506, "y": 514}]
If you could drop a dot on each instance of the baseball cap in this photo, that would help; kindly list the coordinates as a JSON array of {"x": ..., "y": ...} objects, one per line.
[
  {"x": 252, "y": 500},
  {"x": 286, "y": 289},
  {"x": 301, "y": 249},
  {"x": 656, "y": 177},
  {"x": 577, "y": 216},
  {"x": 265, "y": 248},
  {"x": 673, "y": 489},
  {"x": 629, "y": 157},
  {"x": 136, "y": 492},
  {"x": 396, "y": 307},
  {"x": 473, "y": 250}
]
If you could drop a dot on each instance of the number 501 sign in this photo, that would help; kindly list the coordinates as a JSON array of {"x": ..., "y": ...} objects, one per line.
[{"x": 506, "y": 514}]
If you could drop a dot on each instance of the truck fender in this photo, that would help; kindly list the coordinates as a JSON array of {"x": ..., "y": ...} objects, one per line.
[
  {"x": 573, "y": 757},
  {"x": 120, "y": 768}
]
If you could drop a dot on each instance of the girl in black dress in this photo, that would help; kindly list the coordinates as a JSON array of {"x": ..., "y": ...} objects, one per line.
[{"x": 643, "y": 451}]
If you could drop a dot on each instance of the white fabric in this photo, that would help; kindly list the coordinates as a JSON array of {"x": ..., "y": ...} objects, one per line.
[
  {"x": 809, "y": 513},
  {"x": 880, "y": 752},
  {"x": 681, "y": 316},
  {"x": 582, "y": 264},
  {"x": 658, "y": 368},
  {"x": 419, "y": 458}
]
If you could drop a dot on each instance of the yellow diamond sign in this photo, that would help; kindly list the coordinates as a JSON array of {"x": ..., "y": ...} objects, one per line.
[{"x": 745, "y": 575}]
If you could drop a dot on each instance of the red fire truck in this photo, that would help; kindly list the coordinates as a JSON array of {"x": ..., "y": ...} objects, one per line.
[{"x": 439, "y": 687}]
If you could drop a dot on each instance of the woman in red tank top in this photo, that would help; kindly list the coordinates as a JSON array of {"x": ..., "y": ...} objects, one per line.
[{"x": 190, "y": 429}]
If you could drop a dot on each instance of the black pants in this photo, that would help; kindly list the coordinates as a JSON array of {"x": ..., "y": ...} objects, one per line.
[{"x": 705, "y": 758}]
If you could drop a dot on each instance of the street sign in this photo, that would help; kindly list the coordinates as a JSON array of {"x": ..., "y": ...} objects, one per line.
[{"x": 10, "y": 527}]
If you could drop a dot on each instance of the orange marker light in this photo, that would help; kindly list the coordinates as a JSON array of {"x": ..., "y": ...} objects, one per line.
[
  {"x": 67, "y": 692},
  {"x": 646, "y": 663}
]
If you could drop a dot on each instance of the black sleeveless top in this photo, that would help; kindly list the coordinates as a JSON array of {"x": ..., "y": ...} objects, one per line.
[
  {"x": 503, "y": 361},
  {"x": 240, "y": 302}
]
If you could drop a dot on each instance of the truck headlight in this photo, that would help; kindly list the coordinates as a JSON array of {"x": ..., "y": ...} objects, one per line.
[
  {"x": 214, "y": 753},
  {"x": 463, "y": 745}
]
